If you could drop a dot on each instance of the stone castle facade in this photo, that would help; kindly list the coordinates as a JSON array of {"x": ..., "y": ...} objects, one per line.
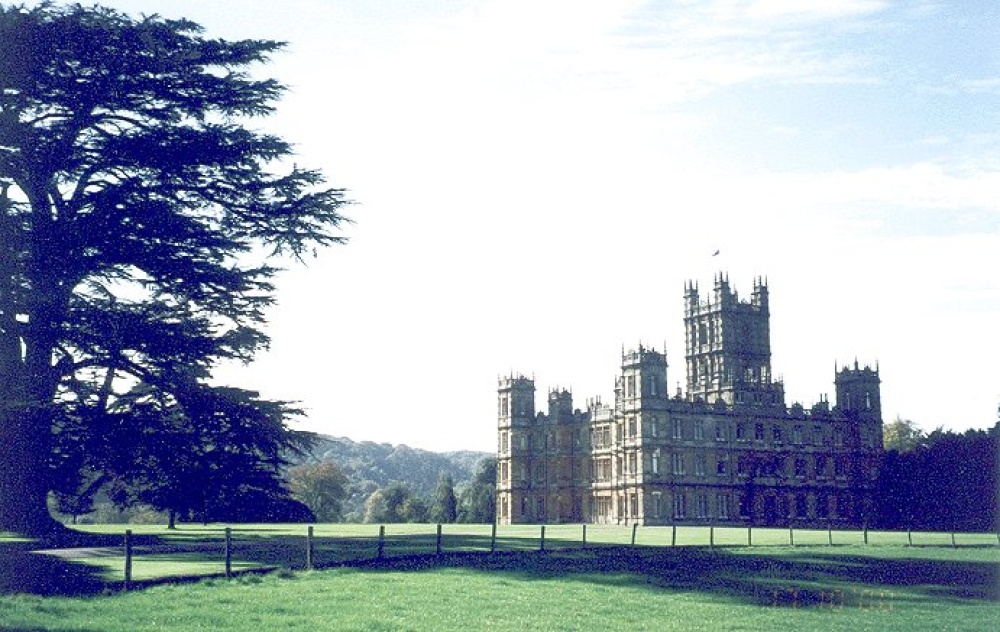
[{"x": 728, "y": 451}]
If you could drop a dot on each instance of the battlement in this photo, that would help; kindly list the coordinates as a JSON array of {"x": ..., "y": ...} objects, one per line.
[
  {"x": 643, "y": 356},
  {"x": 724, "y": 297},
  {"x": 510, "y": 382}
]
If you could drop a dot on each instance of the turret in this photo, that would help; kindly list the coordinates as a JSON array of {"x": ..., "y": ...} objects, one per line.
[
  {"x": 516, "y": 401},
  {"x": 858, "y": 392}
]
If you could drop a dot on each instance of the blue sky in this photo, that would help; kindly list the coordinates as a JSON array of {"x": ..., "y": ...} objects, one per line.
[{"x": 537, "y": 180}]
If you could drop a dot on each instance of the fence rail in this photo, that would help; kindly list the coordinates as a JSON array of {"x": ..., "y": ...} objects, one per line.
[{"x": 238, "y": 550}]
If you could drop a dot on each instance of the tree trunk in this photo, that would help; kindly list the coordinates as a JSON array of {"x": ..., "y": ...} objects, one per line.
[{"x": 24, "y": 475}]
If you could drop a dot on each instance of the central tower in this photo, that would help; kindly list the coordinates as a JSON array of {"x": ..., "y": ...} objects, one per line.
[{"x": 728, "y": 346}]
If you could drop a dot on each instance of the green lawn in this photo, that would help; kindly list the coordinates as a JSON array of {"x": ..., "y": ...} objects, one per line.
[{"x": 691, "y": 588}]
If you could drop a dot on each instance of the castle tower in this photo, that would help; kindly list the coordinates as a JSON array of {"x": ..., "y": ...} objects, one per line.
[
  {"x": 643, "y": 382},
  {"x": 728, "y": 346},
  {"x": 516, "y": 417},
  {"x": 562, "y": 439},
  {"x": 858, "y": 392},
  {"x": 859, "y": 401},
  {"x": 640, "y": 410}
]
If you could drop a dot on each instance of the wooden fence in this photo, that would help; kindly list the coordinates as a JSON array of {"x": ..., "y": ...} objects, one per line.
[{"x": 411, "y": 540}]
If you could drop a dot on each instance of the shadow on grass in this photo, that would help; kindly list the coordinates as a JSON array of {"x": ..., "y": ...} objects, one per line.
[
  {"x": 790, "y": 579},
  {"x": 806, "y": 577},
  {"x": 39, "y": 566},
  {"x": 25, "y": 571}
]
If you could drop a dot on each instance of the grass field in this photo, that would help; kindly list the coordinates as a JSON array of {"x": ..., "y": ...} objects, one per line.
[
  {"x": 805, "y": 588},
  {"x": 771, "y": 585}
]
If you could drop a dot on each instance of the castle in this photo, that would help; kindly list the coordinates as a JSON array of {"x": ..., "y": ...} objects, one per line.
[{"x": 728, "y": 451}]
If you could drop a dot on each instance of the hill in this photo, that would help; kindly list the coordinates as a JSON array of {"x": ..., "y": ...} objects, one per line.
[{"x": 370, "y": 466}]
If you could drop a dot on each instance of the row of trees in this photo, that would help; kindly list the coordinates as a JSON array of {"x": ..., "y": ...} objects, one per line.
[
  {"x": 324, "y": 486},
  {"x": 939, "y": 481}
]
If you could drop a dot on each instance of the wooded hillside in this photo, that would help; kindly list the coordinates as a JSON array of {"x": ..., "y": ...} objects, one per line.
[{"x": 370, "y": 466}]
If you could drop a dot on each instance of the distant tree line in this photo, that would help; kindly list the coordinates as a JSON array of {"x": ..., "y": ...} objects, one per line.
[
  {"x": 941, "y": 481},
  {"x": 324, "y": 486}
]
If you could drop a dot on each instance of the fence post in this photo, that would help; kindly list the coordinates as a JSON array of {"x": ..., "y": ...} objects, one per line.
[
  {"x": 635, "y": 526},
  {"x": 229, "y": 552},
  {"x": 493, "y": 538},
  {"x": 829, "y": 533},
  {"x": 585, "y": 536},
  {"x": 866, "y": 534},
  {"x": 711, "y": 536},
  {"x": 309, "y": 548},
  {"x": 541, "y": 547},
  {"x": 128, "y": 558},
  {"x": 673, "y": 535},
  {"x": 381, "y": 541},
  {"x": 953, "y": 545},
  {"x": 438, "y": 548},
  {"x": 749, "y": 535},
  {"x": 909, "y": 536},
  {"x": 791, "y": 534}
]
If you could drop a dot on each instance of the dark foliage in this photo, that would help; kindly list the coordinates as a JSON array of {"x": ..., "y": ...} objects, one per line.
[{"x": 947, "y": 482}]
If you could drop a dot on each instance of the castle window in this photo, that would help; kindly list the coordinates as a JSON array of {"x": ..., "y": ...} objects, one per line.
[
  {"x": 677, "y": 464},
  {"x": 840, "y": 466},
  {"x": 701, "y": 506},
  {"x": 699, "y": 429},
  {"x": 838, "y": 437},
  {"x": 680, "y": 506},
  {"x": 821, "y": 466},
  {"x": 656, "y": 462},
  {"x": 741, "y": 466},
  {"x": 758, "y": 432},
  {"x": 776, "y": 434},
  {"x": 801, "y": 506},
  {"x": 634, "y": 504},
  {"x": 631, "y": 427},
  {"x": 817, "y": 435},
  {"x": 722, "y": 506},
  {"x": 797, "y": 435},
  {"x": 844, "y": 506},
  {"x": 657, "y": 504},
  {"x": 503, "y": 473},
  {"x": 800, "y": 467},
  {"x": 720, "y": 430},
  {"x": 741, "y": 431},
  {"x": 720, "y": 467},
  {"x": 503, "y": 443},
  {"x": 699, "y": 465},
  {"x": 822, "y": 506},
  {"x": 678, "y": 429}
]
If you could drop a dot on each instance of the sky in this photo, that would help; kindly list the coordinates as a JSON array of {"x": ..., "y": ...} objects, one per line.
[{"x": 534, "y": 183}]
